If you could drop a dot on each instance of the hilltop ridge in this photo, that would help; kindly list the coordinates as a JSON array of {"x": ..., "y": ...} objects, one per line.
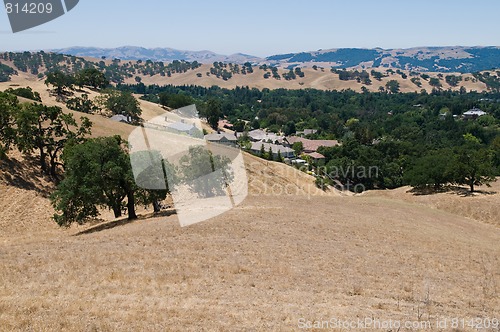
[{"x": 462, "y": 59}]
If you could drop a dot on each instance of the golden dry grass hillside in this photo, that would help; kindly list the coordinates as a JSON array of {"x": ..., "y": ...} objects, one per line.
[
  {"x": 321, "y": 78},
  {"x": 315, "y": 79},
  {"x": 288, "y": 254}
]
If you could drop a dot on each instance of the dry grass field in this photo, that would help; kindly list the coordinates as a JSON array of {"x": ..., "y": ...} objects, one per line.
[
  {"x": 316, "y": 79},
  {"x": 263, "y": 266},
  {"x": 289, "y": 252}
]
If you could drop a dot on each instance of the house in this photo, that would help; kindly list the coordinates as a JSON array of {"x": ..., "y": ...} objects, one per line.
[
  {"x": 120, "y": 118},
  {"x": 316, "y": 157},
  {"x": 473, "y": 114},
  {"x": 258, "y": 135},
  {"x": 284, "y": 151},
  {"x": 184, "y": 128},
  {"x": 306, "y": 132},
  {"x": 311, "y": 145},
  {"x": 222, "y": 138}
]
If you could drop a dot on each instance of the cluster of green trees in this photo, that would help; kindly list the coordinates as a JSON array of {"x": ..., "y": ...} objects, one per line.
[
  {"x": 390, "y": 131},
  {"x": 33, "y": 62},
  {"x": 492, "y": 80},
  {"x": 220, "y": 70},
  {"x": 226, "y": 71},
  {"x": 116, "y": 71},
  {"x": 99, "y": 174},
  {"x": 6, "y": 72},
  {"x": 348, "y": 75},
  {"x": 95, "y": 173},
  {"x": 27, "y": 93},
  {"x": 116, "y": 102},
  {"x": 36, "y": 128},
  {"x": 61, "y": 81}
]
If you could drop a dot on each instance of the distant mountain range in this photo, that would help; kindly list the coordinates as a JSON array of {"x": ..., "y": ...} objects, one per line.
[
  {"x": 156, "y": 54},
  {"x": 440, "y": 59}
]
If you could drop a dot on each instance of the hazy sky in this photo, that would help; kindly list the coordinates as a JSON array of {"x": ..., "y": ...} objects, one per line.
[{"x": 267, "y": 27}]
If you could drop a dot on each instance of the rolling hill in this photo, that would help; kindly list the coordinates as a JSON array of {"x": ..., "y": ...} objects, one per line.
[
  {"x": 16, "y": 68},
  {"x": 288, "y": 254},
  {"x": 461, "y": 59}
]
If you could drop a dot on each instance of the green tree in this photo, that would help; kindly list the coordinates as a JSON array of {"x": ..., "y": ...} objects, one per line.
[
  {"x": 279, "y": 157},
  {"x": 123, "y": 103},
  {"x": 91, "y": 77},
  {"x": 83, "y": 104},
  {"x": 262, "y": 151},
  {"x": 60, "y": 81},
  {"x": 435, "y": 82},
  {"x": 392, "y": 86},
  {"x": 212, "y": 112},
  {"x": 8, "y": 107},
  {"x": 47, "y": 130},
  {"x": 298, "y": 147},
  {"x": 27, "y": 93},
  {"x": 270, "y": 155},
  {"x": 473, "y": 165},
  {"x": 98, "y": 174},
  {"x": 175, "y": 100},
  {"x": 431, "y": 170}
]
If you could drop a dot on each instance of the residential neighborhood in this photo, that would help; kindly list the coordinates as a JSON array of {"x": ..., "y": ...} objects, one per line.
[{"x": 274, "y": 146}]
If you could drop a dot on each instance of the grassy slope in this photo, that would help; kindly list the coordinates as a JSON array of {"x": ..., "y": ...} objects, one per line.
[{"x": 263, "y": 265}]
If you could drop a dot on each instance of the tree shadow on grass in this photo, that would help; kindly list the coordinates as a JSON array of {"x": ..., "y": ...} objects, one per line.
[
  {"x": 459, "y": 191},
  {"x": 25, "y": 174},
  {"x": 124, "y": 221}
]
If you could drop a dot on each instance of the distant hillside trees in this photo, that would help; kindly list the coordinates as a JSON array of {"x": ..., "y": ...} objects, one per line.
[
  {"x": 117, "y": 71},
  {"x": 435, "y": 82},
  {"x": 453, "y": 80},
  {"x": 6, "y": 72},
  {"x": 60, "y": 81},
  {"x": 416, "y": 81},
  {"x": 377, "y": 75},
  {"x": 91, "y": 77},
  {"x": 392, "y": 86},
  {"x": 27, "y": 93},
  {"x": 346, "y": 75}
]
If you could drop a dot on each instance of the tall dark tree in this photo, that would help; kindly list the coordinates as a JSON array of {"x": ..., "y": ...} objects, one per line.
[
  {"x": 473, "y": 164},
  {"x": 8, "y": 106},
  {"x": 98, "y": 174},
  {"x": 212, "y": 112}
]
